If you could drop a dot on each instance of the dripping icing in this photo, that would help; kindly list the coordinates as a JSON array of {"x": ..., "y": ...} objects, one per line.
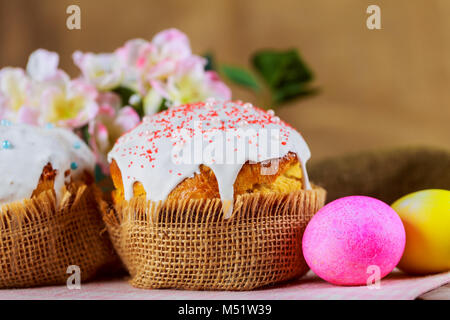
[{"x": 145, "y": 154}]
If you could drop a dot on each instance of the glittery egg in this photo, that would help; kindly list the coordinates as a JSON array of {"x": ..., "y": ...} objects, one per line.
[{"x": 352, "y": 239}]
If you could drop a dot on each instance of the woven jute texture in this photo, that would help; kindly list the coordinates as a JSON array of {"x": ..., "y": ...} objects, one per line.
[
  {"x": 39, "y": 239},
  {"x": 189, "y": 245}
]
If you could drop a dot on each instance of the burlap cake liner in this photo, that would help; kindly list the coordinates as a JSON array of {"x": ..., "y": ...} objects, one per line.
[
  {"x": 39, "y": 239},
  {"x": 187, "y": 244}
]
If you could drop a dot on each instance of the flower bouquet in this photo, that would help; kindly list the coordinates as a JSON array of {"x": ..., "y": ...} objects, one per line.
[{"x": 115, "y": 90}]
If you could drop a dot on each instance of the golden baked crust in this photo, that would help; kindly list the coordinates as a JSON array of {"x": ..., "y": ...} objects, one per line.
[
  {"x": 47, "y": 179},
  {"x": 204, "y": 185}
]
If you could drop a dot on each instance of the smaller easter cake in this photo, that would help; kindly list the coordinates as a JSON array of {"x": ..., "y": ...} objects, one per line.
[
  {"x": 35, "y": 160},
  {"x": 211, "y": 196},
  {"x": 49, "y": 216}
]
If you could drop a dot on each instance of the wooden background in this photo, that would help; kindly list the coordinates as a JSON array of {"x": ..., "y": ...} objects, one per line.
[{"x": 386, "y": 87}]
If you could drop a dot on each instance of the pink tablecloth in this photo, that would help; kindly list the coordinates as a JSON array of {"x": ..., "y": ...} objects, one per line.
[{"x": 394, "y": 286}]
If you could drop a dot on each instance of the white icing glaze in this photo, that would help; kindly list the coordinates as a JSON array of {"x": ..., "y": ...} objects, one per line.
[
  {"x": 151, "y": 152},
  {"x": 29, "y": 149}
]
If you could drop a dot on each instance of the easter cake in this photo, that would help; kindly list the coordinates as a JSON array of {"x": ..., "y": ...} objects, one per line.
[
  {"x": 49, "y": 216},
  {"x": 211, "y": 196}
]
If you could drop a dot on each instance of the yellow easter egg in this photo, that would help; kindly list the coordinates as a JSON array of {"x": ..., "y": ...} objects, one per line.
[{"x": 426, "y": 217}]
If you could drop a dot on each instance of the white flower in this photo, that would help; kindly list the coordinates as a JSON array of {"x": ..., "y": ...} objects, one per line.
[
  {"x": 68, "y": 103},
  {"x": 132, "y": 58},
  {"x": 191, "y": 83},
  {"x": 163, "y": 69},
  {"x": 104, "y": 70},
  {"x": 42, "y": 64},
  {"x": 109, "y": 124},
  {"x": 15, "y": 89},
  {"x": 152, "y": 102}
]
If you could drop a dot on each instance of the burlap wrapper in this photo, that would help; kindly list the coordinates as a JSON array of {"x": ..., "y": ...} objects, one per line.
[
  {"x": 189, "y": 245},
  {"x": 39, "y": 239}
]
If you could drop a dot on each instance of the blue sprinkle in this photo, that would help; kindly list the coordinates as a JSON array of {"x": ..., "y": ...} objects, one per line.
[
  {"x": 5, "y": 123},
  {"x": 49, "y": 126},
  {"x": 6, "y": 144},
  {"x": 73, "y": 166},
  {"x": 77, "y": 145}
]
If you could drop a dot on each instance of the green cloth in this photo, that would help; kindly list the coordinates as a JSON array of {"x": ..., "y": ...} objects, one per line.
[{"x": 384, "y": 174}]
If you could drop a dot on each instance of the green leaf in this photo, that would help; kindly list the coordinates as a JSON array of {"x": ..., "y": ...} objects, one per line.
[
  {"x": 285, "y": 73},
  {"x": 98, "y": 173},
  {"x": 240, "y": 76},
  {"x": 125, "y": 94},
  {"x": 85, "y": 133},
  {"x": 163, "y": 105},
  {"x": 289, "y": 92},
  {"x": 210, "y": 62}
]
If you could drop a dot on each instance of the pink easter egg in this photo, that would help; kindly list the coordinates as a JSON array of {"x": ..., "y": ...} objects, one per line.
[{"x": 353, "y": 239}]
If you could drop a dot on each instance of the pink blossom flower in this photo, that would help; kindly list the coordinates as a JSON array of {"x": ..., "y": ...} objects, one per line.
[
  {"x": 133, "y": 58},
  {"x": 28, "y": 115},
  {"x": 45, "y": 94},
  {"x": 169, "y": 47},
  {"x": 71, "y": 103},
  {"x": 15, "y": 87},
  {"x": 104, "y": 70},
  {"x": 144, "y": 61},
  {"x": 131, "y": 52},
  {"x": 163, "y": 69},
  {"x": 109, "y": 124},
  {"x": 215, "y": 87},
  {"x": 42, "y": 64},
  {"x": 172, "y": 44},
  {"x": 190, "y": 83},
  {"x": 18, "y": 96}
]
